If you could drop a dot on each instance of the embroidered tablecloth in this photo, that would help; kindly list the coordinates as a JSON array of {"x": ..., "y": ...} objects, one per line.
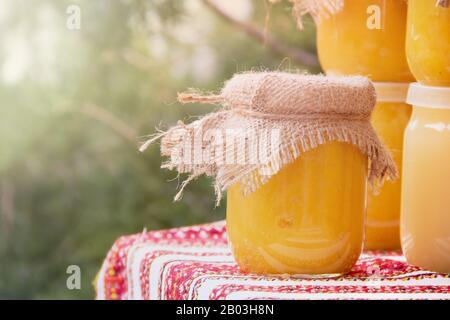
[{"x": 196, "y": 263}]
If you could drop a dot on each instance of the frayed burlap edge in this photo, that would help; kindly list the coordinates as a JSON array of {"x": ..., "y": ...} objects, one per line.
[
  {"x": 443, "y": 3},
  {"x": 299, "y": 136},
  {"x": 318, "y": 9}
]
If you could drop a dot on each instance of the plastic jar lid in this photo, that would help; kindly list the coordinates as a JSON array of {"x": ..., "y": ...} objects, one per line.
[
  {"x": 429, "y": 97},
  {"x": 391, "y": 91}
]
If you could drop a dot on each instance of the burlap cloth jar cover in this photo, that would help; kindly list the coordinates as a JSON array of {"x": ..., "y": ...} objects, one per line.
[{"x": 304, "y": 111}]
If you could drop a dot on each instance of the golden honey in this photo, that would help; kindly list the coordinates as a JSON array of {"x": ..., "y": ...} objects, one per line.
[
  {"x": 366, "y": 38},
  {"x": 389, "y": 118},
  {"x": 428, "y": 42},
  {"x": 425, "y": 216},
  {"x": 307, "y": 219}
]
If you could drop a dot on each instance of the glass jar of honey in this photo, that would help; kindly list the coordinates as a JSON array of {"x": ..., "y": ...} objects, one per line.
[
  {"x": 295, "y": 153},
  {"x": 425, "y": 213},
  {"x": 428, "y": 41},
  {"x": 389, "y": 118},
  {"x": 367, "y": 37},
  {"x": 308, "y": 219}
]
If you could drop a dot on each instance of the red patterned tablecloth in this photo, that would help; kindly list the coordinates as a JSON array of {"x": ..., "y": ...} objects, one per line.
[{"x": 196, "y": 263}]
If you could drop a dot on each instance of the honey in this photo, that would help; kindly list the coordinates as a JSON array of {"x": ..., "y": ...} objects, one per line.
[
  {"x": 367, "y": 37},
  {"x": 389, "y": 118},
  {"x": 308, "y": 218},
  {"x": 428, "y": 42},
  {"x": 425, "y": 213}
]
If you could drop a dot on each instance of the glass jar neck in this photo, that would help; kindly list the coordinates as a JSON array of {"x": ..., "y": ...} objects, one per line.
[{"x": 431, "y": 114}]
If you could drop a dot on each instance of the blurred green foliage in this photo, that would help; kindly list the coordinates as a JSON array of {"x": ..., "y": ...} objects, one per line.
[{"x": 73, "y": 104}]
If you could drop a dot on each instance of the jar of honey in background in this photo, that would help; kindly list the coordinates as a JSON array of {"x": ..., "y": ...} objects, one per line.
[
  {"x": 309, "y": 217},
  {"x": 425, "y": 213},
  {"x": 428, "y": 41},
  {"x": 389, "y": 118},
  {"x": 367, "y": 37}
]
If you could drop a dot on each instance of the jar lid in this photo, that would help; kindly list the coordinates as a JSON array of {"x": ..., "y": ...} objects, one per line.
[
  {"x": 391, "y": 91},
  {"x": 429, "y": 97}
]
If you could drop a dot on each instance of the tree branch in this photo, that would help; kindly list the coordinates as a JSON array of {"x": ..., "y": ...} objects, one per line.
[
  {"x": 298, "y": 55},
  {"x": 110, "y": 120}
]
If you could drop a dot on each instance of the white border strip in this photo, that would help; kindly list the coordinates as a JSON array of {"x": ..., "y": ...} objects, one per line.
[
  {"x": 137, "y": 254},
  {"x": 245, "y": 295},
  {"x": 164, "y": 264},
  {"x": 101, "y": 282},
  {"x": 205, "y": 289}
]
